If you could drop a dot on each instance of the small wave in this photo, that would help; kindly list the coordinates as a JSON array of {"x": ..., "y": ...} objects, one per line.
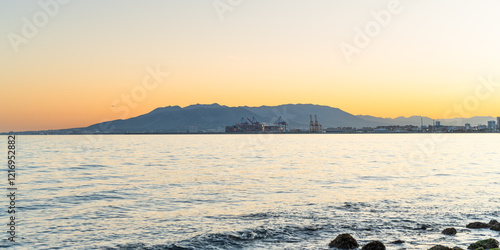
[
  {"x": 353, "y": 206},
  {"x": 85, "y": 166},
  {"x": 258, "y": 216},
  {"x": 238, "y": 239}
]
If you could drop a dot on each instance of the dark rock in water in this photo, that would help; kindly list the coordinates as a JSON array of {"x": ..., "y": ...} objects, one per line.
[
  {"x": 423, "y": 227},
  {"x": 398, "y": 242},
  {"x": 495, "y": 227},
  {"x": 344, "y": 241},
  {"x": 441, "y": 247},
  {"x": 374, "y": 245},
  {"x": 485, "y": 244},
  {"x": 476, "y": 225},
  {"x": 449, "y": 231},
  {"x": 493, "y": 222}
]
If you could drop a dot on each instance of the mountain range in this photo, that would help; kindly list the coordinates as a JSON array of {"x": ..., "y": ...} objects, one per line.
[{"x": 215, "y": 117}]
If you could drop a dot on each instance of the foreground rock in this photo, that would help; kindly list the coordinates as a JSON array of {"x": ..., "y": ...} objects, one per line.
[
  {"x": 374, "y": 245},
  {"x": 398, "y": 242},
  {"x": 484, "y": 244},
  {"x": 494, "y": 225},
  {"x": 441, "y": 247},
  {"x": 449, "y": 231},
  {"x": 344, "y": 241},
  {"x": 476, "y": 225}
]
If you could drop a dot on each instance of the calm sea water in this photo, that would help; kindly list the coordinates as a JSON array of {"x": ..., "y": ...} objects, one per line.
[{"x": 253, "y": 191}]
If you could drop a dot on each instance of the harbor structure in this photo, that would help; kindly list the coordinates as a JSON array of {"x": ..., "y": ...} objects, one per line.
[
  {"x": 246, "y": 125},
  {"x": 254, "y": 126},
  {"x": 315, "y": 126}
]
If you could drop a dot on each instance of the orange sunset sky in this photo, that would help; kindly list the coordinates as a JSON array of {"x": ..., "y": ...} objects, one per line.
[{"x": 70, "y": 63}]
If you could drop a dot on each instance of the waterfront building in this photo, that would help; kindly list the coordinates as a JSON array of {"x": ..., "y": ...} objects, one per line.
[
  {"x": 491, "y": 125},
  {"x": 467, "y": 126}
]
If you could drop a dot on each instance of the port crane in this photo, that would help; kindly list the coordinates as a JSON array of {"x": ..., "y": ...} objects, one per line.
[
  {"x": 253, "y": 121},
  {"x": 247, "y": 125},
  {"x": 281, "y": 122},
  {"x": 315, "y": 126},
  {"x": 242, "y": 121}
]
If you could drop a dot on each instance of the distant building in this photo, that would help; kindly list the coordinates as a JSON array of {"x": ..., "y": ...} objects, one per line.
[
  {"x": 273, "y": 128},
  {"x": 367, "y": 129},
  {"x": 381, "y": 130},
  {"x": 491, "y": 125},
  {"x": 498, "y": 123},
  {"x": 481, "y": 127},
  {"x": 245, "y": 126},
  {"x": 334, "y": 130},
  {"x": 467, "y": 126},
  {"x": 438, "y": 124}
]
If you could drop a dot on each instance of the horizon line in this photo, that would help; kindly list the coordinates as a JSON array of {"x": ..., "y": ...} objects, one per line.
[{"x": 245, "y": 106}]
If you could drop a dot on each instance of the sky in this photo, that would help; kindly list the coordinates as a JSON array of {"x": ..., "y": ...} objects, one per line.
[{"x": 74, "y": 63}]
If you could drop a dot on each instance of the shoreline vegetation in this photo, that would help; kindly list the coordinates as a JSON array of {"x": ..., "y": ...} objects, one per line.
[{"x": 346, "y": 241}]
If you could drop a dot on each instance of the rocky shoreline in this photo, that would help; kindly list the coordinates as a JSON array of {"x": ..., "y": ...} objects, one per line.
[{"x": 346, "y": 241}]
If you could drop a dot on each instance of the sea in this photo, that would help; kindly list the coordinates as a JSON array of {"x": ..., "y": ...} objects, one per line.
[{"x": 251, "y": 191}]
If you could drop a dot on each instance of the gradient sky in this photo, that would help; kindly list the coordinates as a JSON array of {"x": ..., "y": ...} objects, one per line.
[{"x": 74, "y": 71}]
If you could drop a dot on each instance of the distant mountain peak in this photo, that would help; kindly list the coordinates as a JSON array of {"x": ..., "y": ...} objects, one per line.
[{"x": 213, "y": 105}]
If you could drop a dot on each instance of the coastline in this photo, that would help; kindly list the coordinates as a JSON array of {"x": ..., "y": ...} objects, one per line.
[{"x": 240, "y": 133}]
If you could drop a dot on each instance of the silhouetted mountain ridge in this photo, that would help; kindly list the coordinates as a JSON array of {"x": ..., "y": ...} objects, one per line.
[{"x": 217, "y": 117}]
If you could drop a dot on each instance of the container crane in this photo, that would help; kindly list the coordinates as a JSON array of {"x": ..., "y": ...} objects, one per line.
[
  {"x": 314, "y": 126},
  {"x": 282, "y": 123}
]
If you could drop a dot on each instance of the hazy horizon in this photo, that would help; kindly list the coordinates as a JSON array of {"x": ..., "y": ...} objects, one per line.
[{"x": 222, "y": 105}]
